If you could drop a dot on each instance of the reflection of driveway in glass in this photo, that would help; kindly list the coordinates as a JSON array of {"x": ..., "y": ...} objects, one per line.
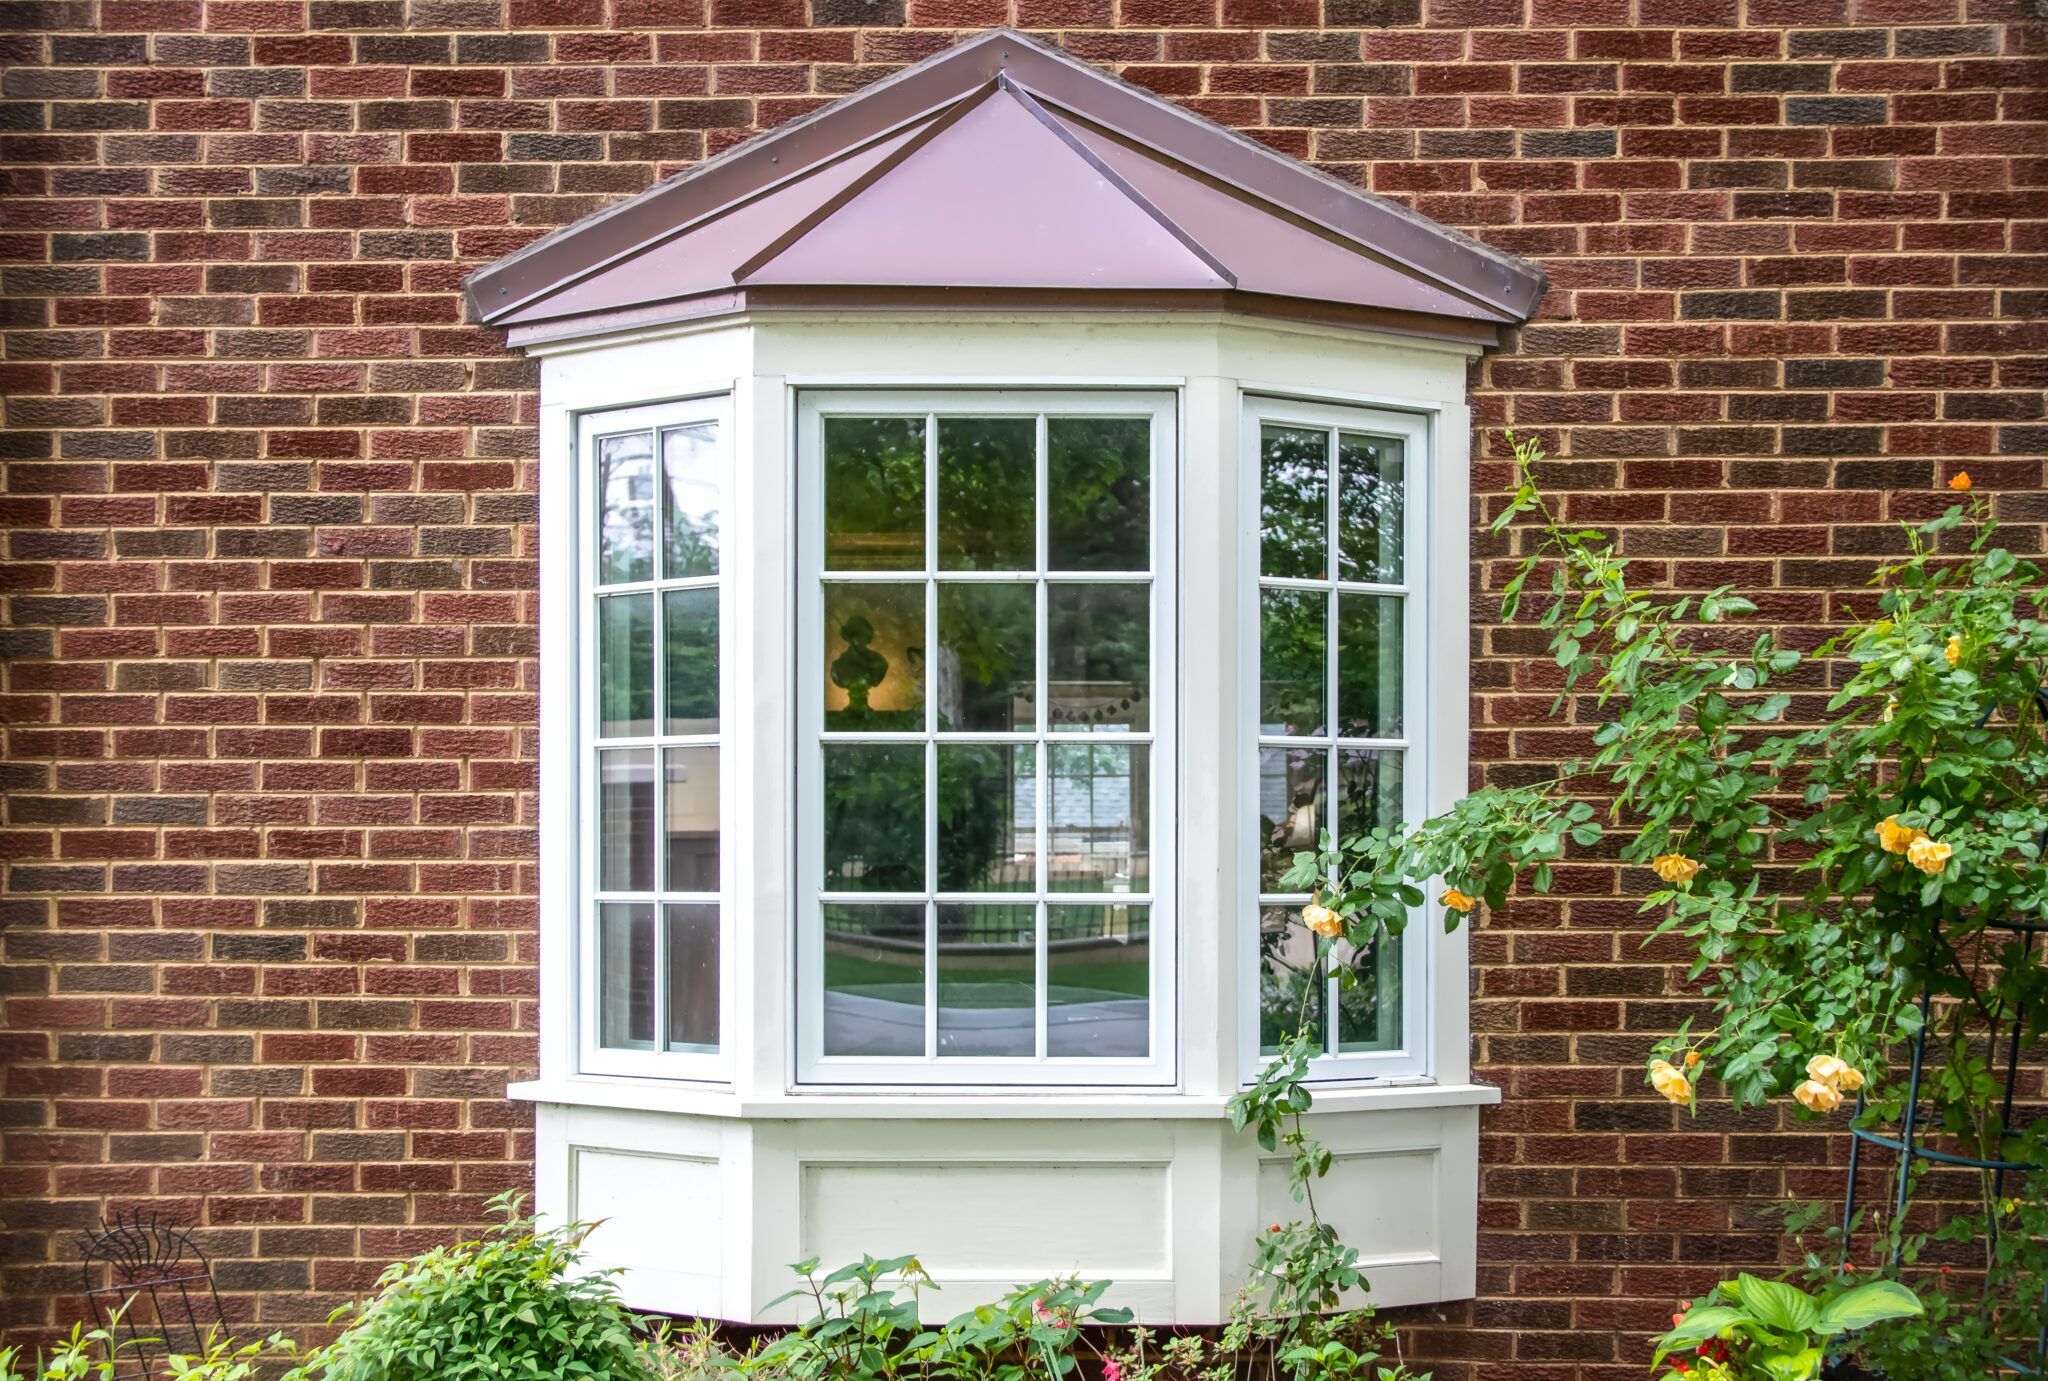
[{"x": 877, "y": 1021}]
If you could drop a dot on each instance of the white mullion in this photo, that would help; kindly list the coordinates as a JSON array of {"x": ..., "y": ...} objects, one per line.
[
  {"x": 1335, "y": 479},
  {"x": 931, "y": 744},
  {"x": 1041, "y": 916}
]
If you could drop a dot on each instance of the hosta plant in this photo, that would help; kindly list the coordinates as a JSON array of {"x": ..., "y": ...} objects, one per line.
[{"x": 1750, "y": 1329}]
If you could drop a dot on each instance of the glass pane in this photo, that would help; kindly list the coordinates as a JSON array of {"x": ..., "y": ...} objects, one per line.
[
  {"x": 625, "y": 666},
  {"x": 1368, "y": 790},
  {"x": 1293, "y": 808},
  {"x": 1294, "y": 664},
  {"x": 1369, "y": 500},
  {"x": 874, "y": 656},
  {"x": 1294, "y": 498},
  {"x": 988, "y": 980},
  {"x": 988, "y": 657},
  {"x": 625, "y": 820},
  {"x": 625, "y": 507},
  {"x": 988, "y": 817},
  {"x": 690, "y": 659},
  {"x": 1100, "y": 829},
  {"x": 1291, "y": 983},
  {"x": 1098, "y": 982},
  {"x": 625, "y": 978},
  {"x": 1368, "y": 666},
  {"x": 874, "y": 493},
  {"x": 988, "y": 476},
  {"x": 1369, "y": 1009},
  {"x": 874, "y": 980},
  {"x": 689, "y": 500},
  {"x": 690, "y": 819},
  {"x": 874, "y": 817},
  {"x": 1098, "y": 651},
  {"x": 1099, "y": 516},
  {"x": 692, "y": 976}
]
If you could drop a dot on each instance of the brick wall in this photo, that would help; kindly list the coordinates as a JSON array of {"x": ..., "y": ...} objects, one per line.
[{"x": 269, "y": 708}]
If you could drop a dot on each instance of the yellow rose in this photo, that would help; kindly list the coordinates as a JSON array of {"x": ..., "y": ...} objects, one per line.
[
  {"x": 1675, "y": 868},
  {"x": 1954, "y": 651},
  {"x": 1817, "y": 1097},
  {"x": 1837, "y": 1073},
  {"x": 1667, "y": 1080},
  {"x": 1322, "y": 920},
  {"x": 1457, "y": 900},
  {"x": 1895, "y": 837},
  {"x": 1928, "y": 855}
]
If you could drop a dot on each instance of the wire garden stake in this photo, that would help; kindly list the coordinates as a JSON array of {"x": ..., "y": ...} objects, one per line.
[{"x": 157, "y": 1298}]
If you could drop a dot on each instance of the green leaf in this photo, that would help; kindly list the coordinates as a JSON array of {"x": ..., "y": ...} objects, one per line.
[
  {"x": 1697, "y": 1326},
  {"x": 1869, "y": 1304},
  {"x": 1776, "y": 1304}
]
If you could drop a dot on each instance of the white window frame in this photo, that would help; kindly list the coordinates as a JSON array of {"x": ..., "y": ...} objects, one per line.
[
  {"x": 813, "y": 1067},
  {"x": 1413, "y": 1057},
  {"x": 593, "y": 1057}
]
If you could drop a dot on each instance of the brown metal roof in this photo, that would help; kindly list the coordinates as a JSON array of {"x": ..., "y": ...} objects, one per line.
[{"x": 997, "y": 173}]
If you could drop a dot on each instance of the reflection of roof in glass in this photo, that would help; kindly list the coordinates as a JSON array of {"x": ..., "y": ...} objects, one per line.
[{"x": 1003, "y": 173}]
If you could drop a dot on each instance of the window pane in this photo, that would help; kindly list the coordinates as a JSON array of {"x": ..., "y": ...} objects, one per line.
[
  {"x": 874, "y": 656},
  {"x": 625, "y": 980},
  {"x": 690, "y": 819},
  {"x": 874, "y": 817},
  {"x": 1369, "y": 499},
  {"x": 1098, "y": 651},
  {"x": 1292, "y": 808},
  {"x": 1099, "y": 513},
  {"x": 874, "y": 493},
  {"x": 625, "y": 508},
  {"x": 1101, "y": 823},
  {"x": 1369, "y": 1010},
  {"x": 690, "y": 659},
  {"x": 1368, "y": 790},
  {"x": 1294, "y": 663},
  {"x": 1291, "y": 984},
  {"x": 988, "y": 476},
  {"x": 874, "y": 980},
  {"x": 988, "y": 817},
  {"x": 625, "y": 820},
  {"x": 689, "y": 501},
  {"x": 1368, "y": 666},
  {"x": 1098, "y": 981},
  {"x": 692, "y": 976},
  {"x": 1294, "y": 497},
  {"x": 988, "y": 980},
  {"x": 988, "y": 660},
  {"x": 625, "y": 666}
]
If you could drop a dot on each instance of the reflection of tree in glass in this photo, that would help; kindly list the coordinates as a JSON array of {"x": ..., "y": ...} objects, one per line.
[
  {"x": 690, "y": 650},
  {"x": 692, "y": 547},
  {"x": 976, "y": 805},
  {"x": 1302, "y": 812},
  {"x": 988, "y": 633},
  {"x": 874, "y": 817},
  {"x": 1289, "y": 972},
  {"x": 988, "y": 470},
  {"x": 1294, "y": 503},
  {"x": 1099, "y": 512},
  {"x": 874, "y": 493},
  {"x": 625, "y": 492},
  {"x": 1368, "y": 508},
  {"x": 859, "y": 669},
  {"x": 625, "y": 665},
  {"x": 1293, "y": 660}
]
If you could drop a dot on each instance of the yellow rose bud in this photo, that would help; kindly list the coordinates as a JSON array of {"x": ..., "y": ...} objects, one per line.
[
  {"x": 1895, "y": 837},
  {"x": 1692, "y": 1058},
  {"x": 1960, "y": 481},
  {"x": 1322, "y": 920},
  {"x": 1928, "y": 855},
  {"x": 1817, "y": 1097},
  {"x": 1667, "y": 1080},
  {"x": 1675, "y": 868},
  {"x": 1457, "y": 900},
  {"x": 1954, "y": 651}
]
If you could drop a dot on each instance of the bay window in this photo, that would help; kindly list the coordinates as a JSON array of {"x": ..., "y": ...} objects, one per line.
[
  {"x": 1342, "y": 697},
  {"x": 985, "y": 686},
  {"x": 653, "y": 480}
]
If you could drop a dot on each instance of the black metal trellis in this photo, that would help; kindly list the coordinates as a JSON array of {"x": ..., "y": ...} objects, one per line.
[
  {"x": 158, "y": 1296},
  {"x": 1907, "y": 1144}
]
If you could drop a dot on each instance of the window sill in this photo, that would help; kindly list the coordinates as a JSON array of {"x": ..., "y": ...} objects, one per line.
[{"x": 647, "y": 1095}]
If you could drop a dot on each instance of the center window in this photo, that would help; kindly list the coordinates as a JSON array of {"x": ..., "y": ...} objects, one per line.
[{"x": 986, "y": 772}]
